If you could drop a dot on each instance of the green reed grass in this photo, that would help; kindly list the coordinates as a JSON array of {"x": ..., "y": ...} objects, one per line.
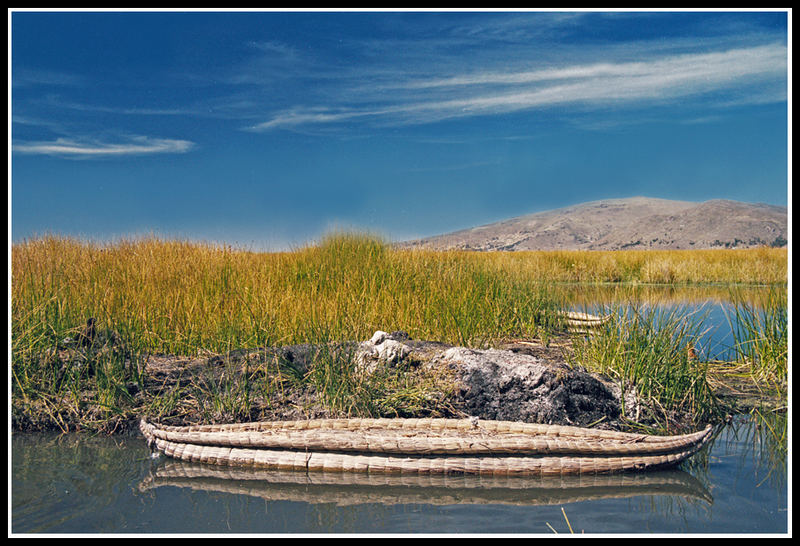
[
  {"x": 399, "y": 391},
  {"x": 761, "y": 331},
  {"x": 647, "y": 350}
]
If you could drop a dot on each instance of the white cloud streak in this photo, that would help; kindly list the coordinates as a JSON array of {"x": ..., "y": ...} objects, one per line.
[
  {"x": 744, "y": 72},
  {"x": 92, "y": 149},
  {"x": 310, "y": 117},
  {"x": 725, "y": 65}
]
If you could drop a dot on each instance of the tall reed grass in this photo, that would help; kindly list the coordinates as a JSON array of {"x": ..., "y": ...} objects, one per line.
[
  {"x": 761, "y": 336},
  {"x": 762, "y": 265},
  {"x": 180, "y": 298},
  {"x": 177, "y": 297},
  {"x": 649, "y": 350}
]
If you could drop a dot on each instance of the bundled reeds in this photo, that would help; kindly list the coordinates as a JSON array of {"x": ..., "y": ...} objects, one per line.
[{"x": 423, "y": 446}]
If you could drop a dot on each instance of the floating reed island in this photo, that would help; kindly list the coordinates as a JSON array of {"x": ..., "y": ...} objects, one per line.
[{"x": 422, "y": 446}]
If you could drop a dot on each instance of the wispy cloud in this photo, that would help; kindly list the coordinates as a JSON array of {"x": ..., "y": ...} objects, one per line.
[
  {"x": 739, "y": 73},
  {"x": 28, "y": 77},
  {"x": 690, "y": 68},
  {"x": 94, "y": 149},
  {"x": 312, "y": 116}
]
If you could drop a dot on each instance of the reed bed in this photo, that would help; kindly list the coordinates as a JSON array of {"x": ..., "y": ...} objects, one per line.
[
  {"x": 178, "y": 297},
  {"x": 761, "y": 336},
  {"x": 651, "y": 351},
  {"x": 763, "y": 265}
]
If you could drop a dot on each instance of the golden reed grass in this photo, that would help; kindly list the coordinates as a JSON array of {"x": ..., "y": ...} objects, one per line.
[{"x": 179, "y": 296}]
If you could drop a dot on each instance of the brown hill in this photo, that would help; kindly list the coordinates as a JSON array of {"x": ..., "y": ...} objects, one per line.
[{"x": 634, "y": 223}]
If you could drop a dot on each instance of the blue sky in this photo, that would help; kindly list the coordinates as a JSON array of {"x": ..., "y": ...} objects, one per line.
[{"x": 267, "y": 130}]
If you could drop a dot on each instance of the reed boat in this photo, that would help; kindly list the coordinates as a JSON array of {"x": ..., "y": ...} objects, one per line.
[
  {"x": 422, "y": 446},
  {"x": 578, "y": 322}
]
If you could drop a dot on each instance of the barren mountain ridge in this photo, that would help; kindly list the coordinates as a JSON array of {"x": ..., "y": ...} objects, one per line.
[{"x": 633, "y": 223}]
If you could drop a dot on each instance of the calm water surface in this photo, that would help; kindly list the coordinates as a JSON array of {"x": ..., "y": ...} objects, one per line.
[
  {"x": 65, "y": 484},
  {"x": 708, "y": 311}
]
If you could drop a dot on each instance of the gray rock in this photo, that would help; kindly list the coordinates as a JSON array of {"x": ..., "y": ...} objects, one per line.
[
  {"x": 382, "y": 348},
  {"x": 509, "y": 386},
  {"x": 506, "y": 385}
]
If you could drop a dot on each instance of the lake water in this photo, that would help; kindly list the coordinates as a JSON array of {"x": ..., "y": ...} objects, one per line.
[
  {"x": 708, "y": 309},
  {"x": 63, "y": 484}
]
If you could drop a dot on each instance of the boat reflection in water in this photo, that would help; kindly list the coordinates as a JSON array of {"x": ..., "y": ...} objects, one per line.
[{"x": 344, "y": 489}]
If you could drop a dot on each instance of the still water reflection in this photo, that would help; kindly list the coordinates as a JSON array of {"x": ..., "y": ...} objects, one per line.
[
  {"x": 709, "y": 310},
  {"x": 78, "y": 484}
]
